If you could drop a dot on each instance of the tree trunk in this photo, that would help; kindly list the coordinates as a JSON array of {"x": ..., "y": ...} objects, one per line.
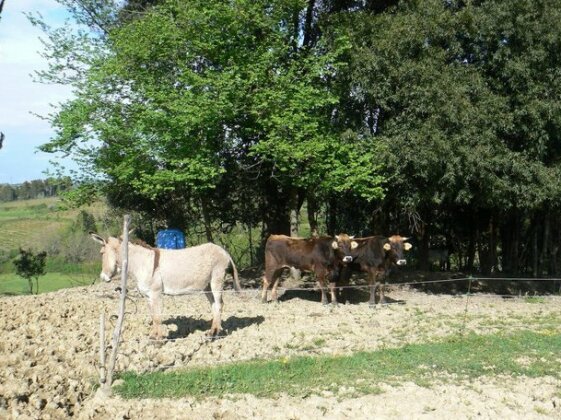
[
  {"x": 206, "y": 220},
  {"x": 250, "y": 240},
  {"x": 492, "y": 252},
  {"x": 308, "y": 23},
  {"x": 535, "y": 251},
  {"x": 275, "y": 214},
  {"x": 312, "y": 214},
  {"x": 544, "y": 252},
  {"x": 471, "y": 250},
  {"x": 294, "y": 213},
  {"x": 331, "y": 217},
  {"x": 424, "y": 247}
]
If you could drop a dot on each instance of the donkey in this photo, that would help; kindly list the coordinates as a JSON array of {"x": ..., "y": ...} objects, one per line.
[{"x": 171, "y": 272}]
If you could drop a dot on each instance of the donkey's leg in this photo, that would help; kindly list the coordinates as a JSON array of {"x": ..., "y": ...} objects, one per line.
[
  {"x": 216, "y": 302},
  {"x": 155, "y": 303}
]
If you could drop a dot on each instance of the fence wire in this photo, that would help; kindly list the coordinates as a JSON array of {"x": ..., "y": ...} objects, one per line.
[
  {"x": 326, "y": 310},
  {"x": 329, "y": 308}
]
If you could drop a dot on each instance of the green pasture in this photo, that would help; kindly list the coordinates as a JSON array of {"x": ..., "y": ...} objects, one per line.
[
  {"x": 29, "y": 223},
  {"x": 43, "y": 225},
  {"x": 26, "y": 223},
  {"x": 533, "y": 354},
  {"x": 11, "y": 284}
]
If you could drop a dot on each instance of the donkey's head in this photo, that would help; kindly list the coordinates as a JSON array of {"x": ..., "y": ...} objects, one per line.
[{"x": 110, "y": 256}]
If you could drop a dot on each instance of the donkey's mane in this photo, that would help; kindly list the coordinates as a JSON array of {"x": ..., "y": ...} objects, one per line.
[{"x": 142, "y": 243}]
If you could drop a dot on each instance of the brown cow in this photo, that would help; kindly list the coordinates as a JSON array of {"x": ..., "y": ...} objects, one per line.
[
  {"x": 323, "y": 256},
  {"x": 375, "y": 255}
]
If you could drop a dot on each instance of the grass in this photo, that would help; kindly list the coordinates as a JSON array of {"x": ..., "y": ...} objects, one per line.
[
  {"x": 11, "y": 284},
  {"x": 25, "y": 223},
  {"x": 38, "y": 224},
  {"x": 534, "y": 299},
  {"x": 467, "y": 357}
]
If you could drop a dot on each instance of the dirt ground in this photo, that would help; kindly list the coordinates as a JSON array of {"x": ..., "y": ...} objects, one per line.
[{"x": 49, "y": 353}]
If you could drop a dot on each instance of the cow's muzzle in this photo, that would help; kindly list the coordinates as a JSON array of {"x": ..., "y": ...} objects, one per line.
[
  {"x": 347, "y": 259},
  {"x": 401, "y": 262}
]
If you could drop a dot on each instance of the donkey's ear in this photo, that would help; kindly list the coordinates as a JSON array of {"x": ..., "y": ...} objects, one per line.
[{"x": 97, "y": 238}]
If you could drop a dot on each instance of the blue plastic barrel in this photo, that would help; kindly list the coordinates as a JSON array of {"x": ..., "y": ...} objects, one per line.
[{"x": 170, "y": 239}]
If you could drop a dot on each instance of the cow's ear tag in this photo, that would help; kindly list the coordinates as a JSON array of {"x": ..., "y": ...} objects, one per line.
[
  {"x": 334, "y": 245},
  {"x": 407, "y": 246},
  {"x": 354, "y": 244},
  {"x": 387, "y": 247}
]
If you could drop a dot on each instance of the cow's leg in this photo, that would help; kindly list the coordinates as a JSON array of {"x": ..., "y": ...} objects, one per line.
[
  {"x": 266, "y": 284},
  {"x": 320, "y": 277},
  {"x": 270, "y": 278},
  {"x": 343, "y": 281},
  {"x": 372, "y": 282},
  {"x": 276, "y": 281},
  {"x": 155, "y": 303},
  {"x": 382, "y": 286},
  {"x": 333, "y": 291},
  {"x": 333, "y": 275}
]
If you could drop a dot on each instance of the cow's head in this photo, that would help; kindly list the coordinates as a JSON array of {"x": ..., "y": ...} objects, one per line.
[
  {"x": 395, "y": 247},
  {"x": 343, "y": 244},
  {"x": 110, "y": 256}
]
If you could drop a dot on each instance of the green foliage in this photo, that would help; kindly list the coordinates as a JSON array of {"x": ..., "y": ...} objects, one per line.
[
  {"x": 187, "y": 85},
  {"x": 437, "y": 118},
  {"x": 468, "y": 357},
  {"x": 30, "y": 266},
  {"x": 85, "y": 222}
]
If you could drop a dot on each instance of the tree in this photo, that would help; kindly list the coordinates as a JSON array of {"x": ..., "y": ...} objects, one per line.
[
  {"x": 462, "y": 96},
  {"x": 188, "y": 85},
  {"x": 30, "y": 266}
]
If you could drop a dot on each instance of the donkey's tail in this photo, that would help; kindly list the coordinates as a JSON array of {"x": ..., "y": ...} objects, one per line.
[{"x": 237, "y": 285}]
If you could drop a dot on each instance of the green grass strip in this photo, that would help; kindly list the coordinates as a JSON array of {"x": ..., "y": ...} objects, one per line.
[
  {"x": 521, "y": 353},
  {"x": 12, "y": 284}
]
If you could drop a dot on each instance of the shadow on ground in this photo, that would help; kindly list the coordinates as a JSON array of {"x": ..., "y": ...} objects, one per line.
[{"x": 188, "y": 325}]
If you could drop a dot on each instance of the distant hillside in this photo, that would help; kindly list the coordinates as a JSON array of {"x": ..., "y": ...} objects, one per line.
[{"x": 27, "y": 223}]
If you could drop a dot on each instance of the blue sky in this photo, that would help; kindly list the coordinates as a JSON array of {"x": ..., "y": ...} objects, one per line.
[{"x": 20, "y": 97}]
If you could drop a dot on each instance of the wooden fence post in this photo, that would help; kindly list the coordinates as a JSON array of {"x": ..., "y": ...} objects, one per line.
[
  {"x": 102, "y": 373},
  {"x": 106, "y": 386}
]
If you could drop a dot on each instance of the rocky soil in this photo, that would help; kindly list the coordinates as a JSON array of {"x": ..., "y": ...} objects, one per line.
[{"x": 50, "y": 342}]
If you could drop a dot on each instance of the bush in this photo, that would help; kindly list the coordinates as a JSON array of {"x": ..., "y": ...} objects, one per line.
[{"x": 30, "y": 266}]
